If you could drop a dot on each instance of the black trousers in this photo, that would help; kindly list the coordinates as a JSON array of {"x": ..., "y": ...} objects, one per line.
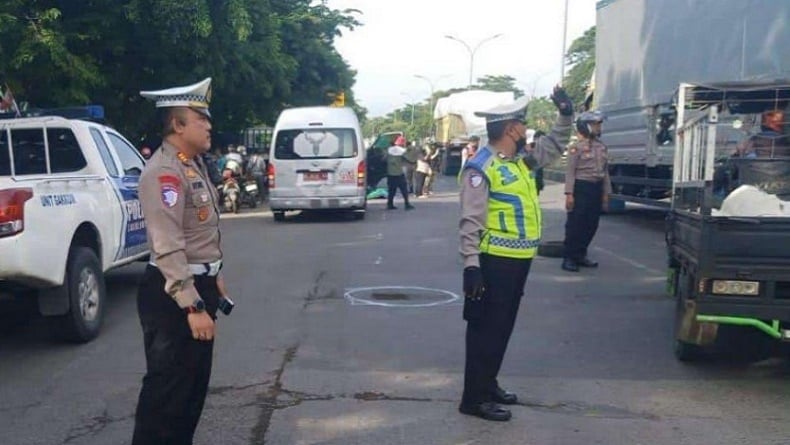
[
  {"x": 582, "y": 222},
  {"x": 487, "y": 336},
  {"x": 178, "y": 366},
  {"x": 395, "y": 183}
]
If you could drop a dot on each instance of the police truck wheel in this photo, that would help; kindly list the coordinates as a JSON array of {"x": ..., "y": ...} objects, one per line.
[
  {"x": 86, "y": 294},
  {"x": 279, "y": 216}
]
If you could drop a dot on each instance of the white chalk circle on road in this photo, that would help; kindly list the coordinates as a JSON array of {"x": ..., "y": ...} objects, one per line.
[{"x": 399, "y": 296}]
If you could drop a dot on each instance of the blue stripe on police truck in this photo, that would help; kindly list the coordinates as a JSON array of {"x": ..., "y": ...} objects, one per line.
[{"x": 133, "y": 236}]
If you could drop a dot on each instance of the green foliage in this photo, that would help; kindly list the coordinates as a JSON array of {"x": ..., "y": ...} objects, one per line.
[
  {"x": 263, "y": 55},
  {"x": 499, "y": 84},
  {"x": 581, "y": 57},
  {"x": 541, "y": 114}
]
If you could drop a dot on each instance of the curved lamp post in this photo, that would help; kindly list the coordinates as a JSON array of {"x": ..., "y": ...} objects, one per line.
[{"x": 472, "y": 50}]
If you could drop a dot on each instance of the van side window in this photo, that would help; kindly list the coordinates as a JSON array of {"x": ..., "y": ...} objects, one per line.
[
  {"x": 104, "y": 152},
  {"x": 65, "y": 154},
  {"x": 5, "y": 157},
  {"x": 29, "y": 153},
  {"x": 316, "y": 143}
]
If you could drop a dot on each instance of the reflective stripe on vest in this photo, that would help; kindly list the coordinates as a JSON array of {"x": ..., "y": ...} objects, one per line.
[{"x": 513, "y": 223}]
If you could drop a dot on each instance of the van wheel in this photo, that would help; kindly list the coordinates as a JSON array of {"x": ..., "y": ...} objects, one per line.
[
  {"x": 87, "y": 296},
  {"x": 359, "y": 216},
  {"x": 279, "y": 216}
]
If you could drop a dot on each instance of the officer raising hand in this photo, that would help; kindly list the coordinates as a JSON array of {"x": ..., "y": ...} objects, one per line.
[
  {"x": 181, "y": 289},
  {"x": 500, "y": 229}
]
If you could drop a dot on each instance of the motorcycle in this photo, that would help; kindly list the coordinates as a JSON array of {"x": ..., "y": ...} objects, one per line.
[
  {"x": 249, "y": 192},
  {"x": 231, "y": 192}
]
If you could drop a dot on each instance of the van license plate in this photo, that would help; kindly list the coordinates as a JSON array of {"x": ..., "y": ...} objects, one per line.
[{"x": 315, "y": 176}]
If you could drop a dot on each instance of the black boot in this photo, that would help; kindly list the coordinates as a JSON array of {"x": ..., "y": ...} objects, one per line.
[
  {"x": 487, "y": 411},
  {"x": 586, "y": 262},
  {"x": 504, "y": 398},
  {"x": 570, "y": 265}
]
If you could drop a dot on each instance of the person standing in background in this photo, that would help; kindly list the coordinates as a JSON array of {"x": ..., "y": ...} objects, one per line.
[
  {"x": 396, "y": 179},
  {"x": 587, "y": 190}
]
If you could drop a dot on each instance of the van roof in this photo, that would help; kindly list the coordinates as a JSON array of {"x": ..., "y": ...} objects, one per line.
[{"x": 306, "y": 117}]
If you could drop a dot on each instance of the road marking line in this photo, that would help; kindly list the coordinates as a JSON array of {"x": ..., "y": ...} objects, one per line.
[{"x": 636, "y": 264}]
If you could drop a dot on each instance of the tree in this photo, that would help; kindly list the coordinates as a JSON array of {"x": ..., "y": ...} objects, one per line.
[
  {"x": 499, "y": 84},
  {"x": 261, "y": 54},
  {"x": 581, "y": 57},
  {"x": 541, "y": 114}
]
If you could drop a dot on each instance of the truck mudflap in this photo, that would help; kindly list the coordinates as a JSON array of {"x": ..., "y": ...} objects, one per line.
[{"x": 695, "y": 331}]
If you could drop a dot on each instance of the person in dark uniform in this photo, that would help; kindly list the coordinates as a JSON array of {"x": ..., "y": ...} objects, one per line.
[
  {"x": 181, "y": 288},
  {"x": 500, "y": 229},
  {"x": 587, "y": 190}
]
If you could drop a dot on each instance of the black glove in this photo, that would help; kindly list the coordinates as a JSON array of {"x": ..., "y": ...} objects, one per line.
[
  {"x": 473, "y": 291},
  {"x": 561, "y": 100},
  {"x": 473, "y": 283}
]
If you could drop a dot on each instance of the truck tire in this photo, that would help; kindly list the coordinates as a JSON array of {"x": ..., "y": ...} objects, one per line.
[{"x": 86, "y": 295}]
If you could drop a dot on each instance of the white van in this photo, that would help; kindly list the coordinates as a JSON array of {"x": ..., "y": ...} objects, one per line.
[{"x": 317, "y": 162}]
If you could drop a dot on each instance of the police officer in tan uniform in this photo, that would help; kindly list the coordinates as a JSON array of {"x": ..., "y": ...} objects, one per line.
[
  {"x": 181, "y": 289},
  {"x": 500, "y": 229},
  {"x": 587, "y": 190}
]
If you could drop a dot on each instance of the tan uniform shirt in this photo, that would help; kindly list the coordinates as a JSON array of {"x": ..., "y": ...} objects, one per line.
[
  {"x": 474, "y": 193},
  {"x": 588, "y": 161},
  {"x": 182, "y": 218}
]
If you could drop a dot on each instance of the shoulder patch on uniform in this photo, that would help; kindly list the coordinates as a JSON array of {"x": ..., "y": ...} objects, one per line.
[
  {"x": 170, "y": 188},
  {"x": 475, "y": 180}
]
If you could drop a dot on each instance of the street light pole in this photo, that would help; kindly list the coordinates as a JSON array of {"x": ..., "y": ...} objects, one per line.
[
  {"x": 564, "y": 41},
  {"x": 412, "y": 106},
  {"x": 472, "y": 51},
  {"x": 433, "y": 92}
]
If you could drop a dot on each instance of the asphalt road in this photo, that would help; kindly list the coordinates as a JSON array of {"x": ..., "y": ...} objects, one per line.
[{"x": 313, "y": 355}]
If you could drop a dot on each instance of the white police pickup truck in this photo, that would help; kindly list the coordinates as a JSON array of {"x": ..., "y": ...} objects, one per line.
[{"x": 69, "y": 212}]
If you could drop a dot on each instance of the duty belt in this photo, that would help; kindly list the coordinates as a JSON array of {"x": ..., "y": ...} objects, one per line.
[
  {"x": 206, "y": 269},
  {"x": 201, "y": 269}
]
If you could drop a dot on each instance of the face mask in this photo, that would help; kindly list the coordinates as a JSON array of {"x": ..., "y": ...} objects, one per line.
[{"x": 521, "y": 143}]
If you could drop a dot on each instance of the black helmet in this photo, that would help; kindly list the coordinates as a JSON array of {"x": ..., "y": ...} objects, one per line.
[{"x": 585, "y": 119}]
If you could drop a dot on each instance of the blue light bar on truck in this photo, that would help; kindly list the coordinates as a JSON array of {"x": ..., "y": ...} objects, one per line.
[{"x": 85, "y": 112}]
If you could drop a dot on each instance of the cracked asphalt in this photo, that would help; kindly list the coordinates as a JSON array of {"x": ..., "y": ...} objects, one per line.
[{"x": 300, "y": 363}]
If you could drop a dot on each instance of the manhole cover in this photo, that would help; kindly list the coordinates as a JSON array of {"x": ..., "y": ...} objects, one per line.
[{"x": 400, "y": 296}]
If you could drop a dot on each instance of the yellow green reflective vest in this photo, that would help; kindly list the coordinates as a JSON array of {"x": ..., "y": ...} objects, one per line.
[{"x": 513, "y": 224}]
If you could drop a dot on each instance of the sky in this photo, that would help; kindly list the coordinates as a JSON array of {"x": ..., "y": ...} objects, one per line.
[{"x": 403, "y": 38}]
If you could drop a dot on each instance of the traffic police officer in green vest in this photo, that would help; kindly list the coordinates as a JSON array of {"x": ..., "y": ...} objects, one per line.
[{"x": 500, "y": 229}]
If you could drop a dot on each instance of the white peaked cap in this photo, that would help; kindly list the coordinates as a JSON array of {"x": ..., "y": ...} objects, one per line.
[
  {"x": 196, "y": 96},
  {"x": 508, "y": 112}
]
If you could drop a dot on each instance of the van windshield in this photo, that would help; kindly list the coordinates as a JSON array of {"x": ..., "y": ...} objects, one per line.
[{"x": 315, "y": 143}]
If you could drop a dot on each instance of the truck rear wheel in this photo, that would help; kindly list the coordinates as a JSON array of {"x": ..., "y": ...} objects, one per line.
[{"x": 86, "y": 295}]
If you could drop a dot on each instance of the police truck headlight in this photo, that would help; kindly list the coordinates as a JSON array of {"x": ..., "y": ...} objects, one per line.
[{"x": 730, "y": 287}]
